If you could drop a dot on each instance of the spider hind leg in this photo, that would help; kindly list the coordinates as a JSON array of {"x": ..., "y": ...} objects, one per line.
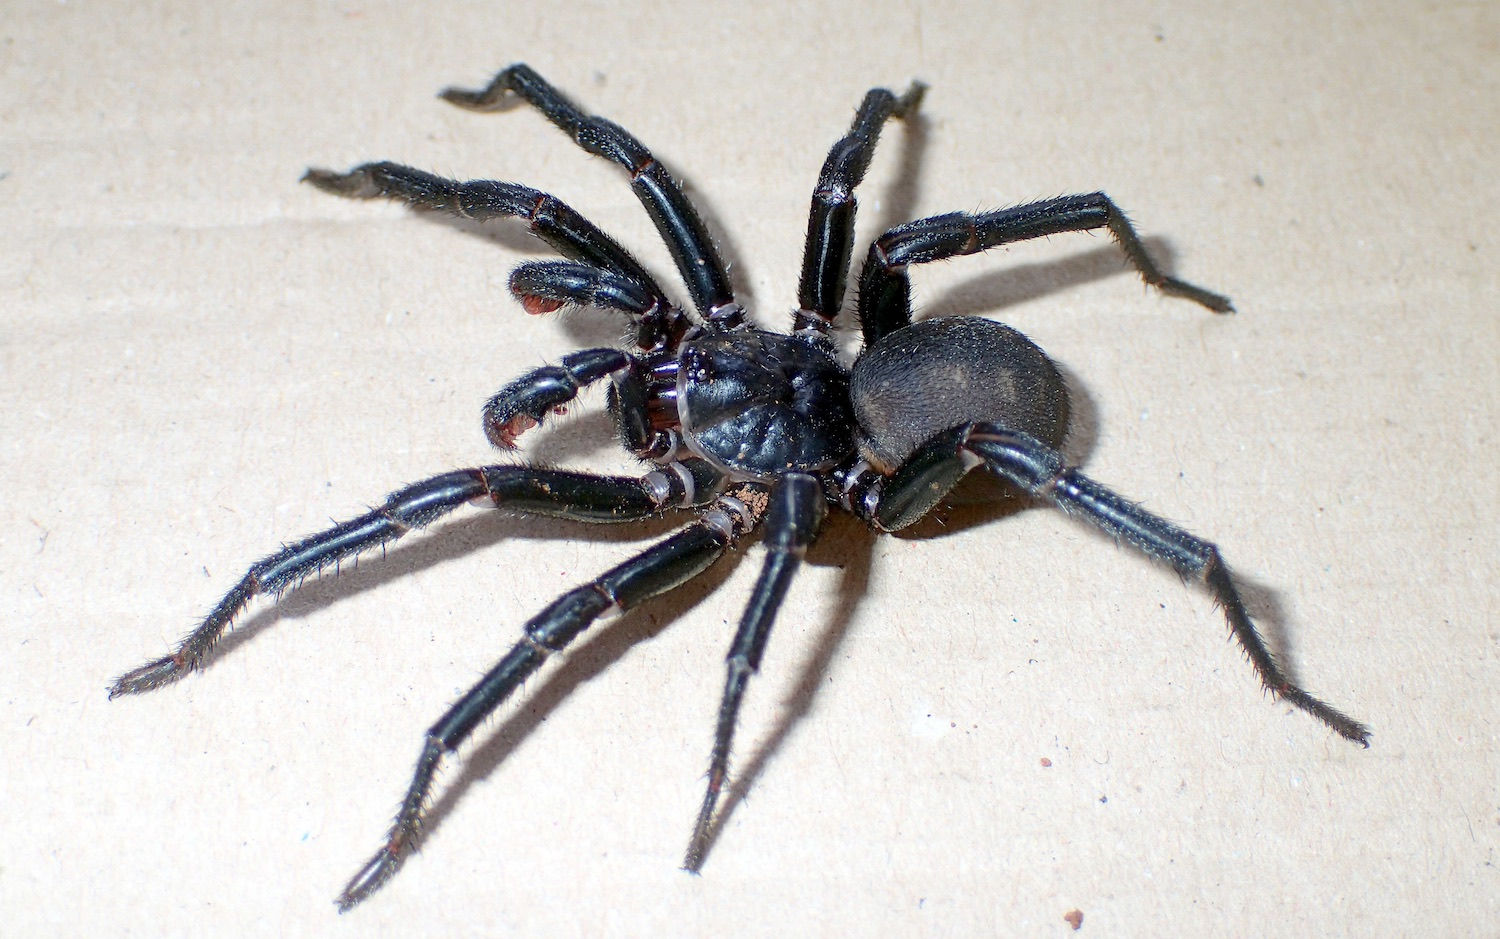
[
  {"x": 885, "y": 290},
  {"x": 678, "y": 223},
  {"x": 1040, "y": 471}
]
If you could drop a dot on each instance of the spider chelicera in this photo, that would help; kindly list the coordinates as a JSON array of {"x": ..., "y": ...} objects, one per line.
[{"x": 744, "y": 428}]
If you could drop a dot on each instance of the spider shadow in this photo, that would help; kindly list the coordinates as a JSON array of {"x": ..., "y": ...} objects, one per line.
[
  {"x": 1015, "y": 284},
  {"x": 899, "y": 204},
  {"x": 848, "y": 545}
]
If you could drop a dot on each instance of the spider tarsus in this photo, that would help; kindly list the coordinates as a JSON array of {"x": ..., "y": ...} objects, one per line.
[
  {"x": 465, "y": 98},
  {"x": 152, "y": 675},
  {"x": 494, "y": 97},
  {"x": 1339, "y": 722},
  {"x": 381, "y": 868},
  {"x": 692, "y": 861},
  {"x": 355, "y": 184},
  {"x": 910, "y": 100},
  {"x": 1180, "y": 288}
]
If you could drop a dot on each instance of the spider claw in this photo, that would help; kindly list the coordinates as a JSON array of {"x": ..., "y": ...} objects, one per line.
[{"x": 152, "y": 675}]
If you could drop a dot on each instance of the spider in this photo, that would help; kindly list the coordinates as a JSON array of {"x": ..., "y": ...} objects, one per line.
[{"x": 743, "y": 427}]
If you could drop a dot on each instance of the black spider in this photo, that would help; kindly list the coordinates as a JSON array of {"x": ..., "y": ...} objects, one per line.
[{"x": 743, "y": 426}]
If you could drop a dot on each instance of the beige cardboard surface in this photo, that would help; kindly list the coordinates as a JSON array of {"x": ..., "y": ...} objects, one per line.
[{"x": 970, "y": 731}]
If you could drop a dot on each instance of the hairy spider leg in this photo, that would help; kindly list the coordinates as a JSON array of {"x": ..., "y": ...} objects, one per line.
[
  {"x": 544, "y": 286},
  {"x": 524, "y": 402},
  {"x": 550, "y": 219},
  {"x": 796, "y": 510},
  {"x": 669, "y": 563},
  {"x": 581, "y": 496},
  {"x": 1042, "y": 472},
  {"x": 830, "y": 223},
  {"x": 673, "y": 215},
  {"x": 645, "y": 412},
  {"x": 885, "y": 290}
]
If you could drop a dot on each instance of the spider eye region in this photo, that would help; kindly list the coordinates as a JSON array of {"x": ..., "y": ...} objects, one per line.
[{"x": 760, "y": 404}]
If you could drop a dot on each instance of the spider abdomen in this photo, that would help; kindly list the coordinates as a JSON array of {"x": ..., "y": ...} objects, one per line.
[
  {"x": 761, "y": 404},
  {"x": 936, "y": 374}
]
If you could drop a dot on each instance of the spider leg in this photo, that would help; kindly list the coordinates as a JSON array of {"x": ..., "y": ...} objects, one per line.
[
  {"x": 522, "y": 404},
  {"x": 796, "y": 511},
  {"x": 557, "y": 493},
  {"x": 830, "y": 223},
  {"x": 550, "y": 219},
  {"x": 1042, "y": 472},
  {"x": 642, "y": 408},
  {"x": 885, "y": 291},
  {"x": 544, "y": 286},
  {"x": 674, "y": 216},
  {"x": 667, "y": 564}
]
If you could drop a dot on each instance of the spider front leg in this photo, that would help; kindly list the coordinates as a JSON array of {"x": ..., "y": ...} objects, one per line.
[
  {"x": 641, "y": 405},
  {"x": 673, "y": 215},
  {"x": 534, "y": 491},
  {"x": 830, "y": 222},
  {"x": 667, "y": 564},
  {"x": 549, "y": 218},
  {"x": 885, "y": 290},
  {"x": 522, "y": 404},
  {"x": 797, "y": 507},
  {"x": 1041, "y": 471},
  {"x": 620, "y": 282},
  {"x": 545, "y": 286}
]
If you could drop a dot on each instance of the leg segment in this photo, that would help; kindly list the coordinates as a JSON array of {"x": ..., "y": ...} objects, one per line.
[
  {"x": 670, "y": 211},
  {"x": 1041, "y": 471},
  {"x": 885, "y": 291},
  {"x": 545, "y": 286},
  {"x": 667, "y": 564},
  {"x": 830, "y": 224},
  {"x": 554, "y": 222},
  {"x": 522, "y": 404},
  {"x": 792, "y": 521},
  {"x": 534, "y": 491}
]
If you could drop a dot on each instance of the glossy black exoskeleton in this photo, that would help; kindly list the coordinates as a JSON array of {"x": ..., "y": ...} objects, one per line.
[{"x": 744, "y": 428}]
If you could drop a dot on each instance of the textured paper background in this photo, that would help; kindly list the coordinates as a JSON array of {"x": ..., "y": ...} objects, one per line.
[{"x": 202, "y": 358}]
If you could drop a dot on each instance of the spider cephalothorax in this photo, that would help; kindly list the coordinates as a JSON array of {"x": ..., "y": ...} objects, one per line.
[{"x": 743, "y": 427}]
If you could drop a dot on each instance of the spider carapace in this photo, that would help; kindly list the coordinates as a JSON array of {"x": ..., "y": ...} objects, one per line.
[{"x": 743, "y": 428}]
